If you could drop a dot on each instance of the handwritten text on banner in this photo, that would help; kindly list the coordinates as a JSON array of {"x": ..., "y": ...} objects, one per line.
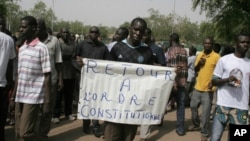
[{"x": 124, "y": 92}]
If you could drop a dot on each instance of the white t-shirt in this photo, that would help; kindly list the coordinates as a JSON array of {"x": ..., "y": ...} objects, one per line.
[
  {"x": 191, "y": 73},
  {"x": 110, "y": 45},
  {"x": 7, "y": 52},
  {"x": 233, "y": 96}
]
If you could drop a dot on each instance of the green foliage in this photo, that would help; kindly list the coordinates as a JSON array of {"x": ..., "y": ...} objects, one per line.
[
  {"x": 40, "y": 11},
  {"x": 228, "y": 17},
  {"x": 125, "y": 24},
  {"x": 3, "y": 9},
  {"x": 162, "y": 25},
  {"x": 14, "y": 14}
]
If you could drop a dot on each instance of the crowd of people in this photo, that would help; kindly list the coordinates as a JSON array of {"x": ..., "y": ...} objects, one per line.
[{"x": 39, "y": 71}]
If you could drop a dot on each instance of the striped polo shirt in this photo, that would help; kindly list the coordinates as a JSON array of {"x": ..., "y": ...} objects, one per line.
[{"x": 33, "y": 62}]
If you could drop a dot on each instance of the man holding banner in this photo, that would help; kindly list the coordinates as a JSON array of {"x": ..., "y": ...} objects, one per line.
[
  {"x": 134, "y": 51},
  {"x": 126, "y": 92}
]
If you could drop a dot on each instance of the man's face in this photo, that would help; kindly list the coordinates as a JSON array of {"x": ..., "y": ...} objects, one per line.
[
  {"x": 94, "y": 34},
  {"x": 146, "y": 37},
  {"x": 39, "y": 28},
  {"x": 208, "y": 44},
  {"x": 119, "y": 35},
  {"x": 242, "y": 44},
  {"x": 26, "y": 31},
  {"x": 65, "y": 34},
  {"x": 137, "y": 30}
]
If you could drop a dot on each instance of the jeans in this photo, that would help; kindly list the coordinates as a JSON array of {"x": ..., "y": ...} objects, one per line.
[
  {"x": 145, "y": 131},
  {"x": 179, "y": 96},
  {"x": 205, "y": 99},
  {"x": 225, "y": 115},
  {"x": 189, "y": 90},
  {"x": 217, "y": 129}
]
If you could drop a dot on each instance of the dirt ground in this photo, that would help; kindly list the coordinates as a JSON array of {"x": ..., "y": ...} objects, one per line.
[{"x": 72, "y": 131}]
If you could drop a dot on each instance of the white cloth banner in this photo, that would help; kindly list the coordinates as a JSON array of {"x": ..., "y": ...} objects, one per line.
[{"x": 124, "y": 92}]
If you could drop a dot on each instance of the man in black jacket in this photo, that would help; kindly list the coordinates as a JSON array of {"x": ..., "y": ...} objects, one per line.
[{"x": 94, "y": 49}]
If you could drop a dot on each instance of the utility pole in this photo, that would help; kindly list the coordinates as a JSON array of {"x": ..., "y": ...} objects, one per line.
[
  {"x": 173, "y": 18},
  {"x": 52, "y": 16}
]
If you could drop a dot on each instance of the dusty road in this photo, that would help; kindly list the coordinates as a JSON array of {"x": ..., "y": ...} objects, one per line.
[{"x": 72, "y": 131}]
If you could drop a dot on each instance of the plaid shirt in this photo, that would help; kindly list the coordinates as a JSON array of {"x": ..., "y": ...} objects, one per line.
[{"x": 177, "y": 57}]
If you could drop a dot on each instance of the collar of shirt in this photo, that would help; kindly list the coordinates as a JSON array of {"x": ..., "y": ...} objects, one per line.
[
  {"x": 207, "y": 55},
  {"x": 141, "y": 44},
  {"x": 91, "y": 42},
  {"x": 33, "y": 43},
  {"x": 48, "y": 39}
]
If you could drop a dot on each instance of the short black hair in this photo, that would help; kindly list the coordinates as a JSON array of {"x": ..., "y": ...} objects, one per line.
[
  {"x": 193, "y": 50},
  {"x": 240, "y": 34},
  {"x": 42, "y": 23},
  {"x": 216, "y": 47},
  {"x": 125, "y": 30},
  {"x": 138, "y": 19},
  {"x": 31, "y": 20},
  {"x": 98, "y": 30},
  {"x": 209, "y": 38},
  {"x": 175, "y": 37},
  {"x": 148, "y": 30}
]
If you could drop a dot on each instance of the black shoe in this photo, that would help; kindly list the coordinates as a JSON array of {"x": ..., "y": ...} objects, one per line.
[
  {"x": 97, "y": 132},
  {"x": 161, "y": 124},
  {"x": 86, "y": 129},
  {"x": 180, "y": 133}
]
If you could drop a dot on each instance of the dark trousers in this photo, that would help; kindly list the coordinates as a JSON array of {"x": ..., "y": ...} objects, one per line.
[
  {"x": 119, "y": 132},
  {"x": 67, "y": 92},
  {"x": 3, "y": 111},
  {"x": 86, "y": 123},
  {"x": 44, "y": 122}
]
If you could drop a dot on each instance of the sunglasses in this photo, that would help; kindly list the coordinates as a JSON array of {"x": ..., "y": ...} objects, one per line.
[{"x": 97, "y": 32}]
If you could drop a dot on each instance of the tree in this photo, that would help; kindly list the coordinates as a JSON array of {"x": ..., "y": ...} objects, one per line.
[
  {"x": 14, "y": 14},
  {"x": 228, "y": 16},
  {"x": 40, "y": 10},
  {"x": 3, "y": 9},
  {"x": 161, "y": 25},
  {"x": 125, "y": 24}
]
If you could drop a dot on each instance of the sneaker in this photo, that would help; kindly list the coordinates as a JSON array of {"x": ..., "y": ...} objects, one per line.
[
  {"x": 193, "y": 128},
  {"x": 71, "y": 117},
  {"x": 55, "y": 120},
  {"x": 86, "y": 129},
  {"x": 12, "y": 122}
]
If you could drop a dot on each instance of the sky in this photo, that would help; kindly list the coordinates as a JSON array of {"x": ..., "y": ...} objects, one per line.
[{"x": 115, "y": 12}]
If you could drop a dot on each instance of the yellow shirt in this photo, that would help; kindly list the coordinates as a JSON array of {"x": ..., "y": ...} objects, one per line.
[{"x": 204, "y": 77}]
